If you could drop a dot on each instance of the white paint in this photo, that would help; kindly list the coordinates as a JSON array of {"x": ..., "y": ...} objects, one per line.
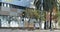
[
  {"x": 14, "y": 24},
  {"x": 42, "y": 25},
  {"x": 4, "y": 23},
  {"x": 4, "y": 4},
  {"x": 37, "y": 25}
]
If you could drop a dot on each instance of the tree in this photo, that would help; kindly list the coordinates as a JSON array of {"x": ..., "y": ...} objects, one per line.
[
  {"x": 32, "y": 13},
  {"x": 37, "y": 3},
  {"x": 48, "y": 6},
  {"x": 58, "y": 17},
  {"x": 36, "y": 14}
]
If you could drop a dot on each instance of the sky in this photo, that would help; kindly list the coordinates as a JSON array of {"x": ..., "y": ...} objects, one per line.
[{"x": 25, "y": 3}]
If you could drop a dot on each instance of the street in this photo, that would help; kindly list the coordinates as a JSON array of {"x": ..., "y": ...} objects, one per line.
[{"x": 19, "y": 30}]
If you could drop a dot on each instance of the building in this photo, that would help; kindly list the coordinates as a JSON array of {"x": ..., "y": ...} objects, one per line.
[{"x": 12, "y": 9}]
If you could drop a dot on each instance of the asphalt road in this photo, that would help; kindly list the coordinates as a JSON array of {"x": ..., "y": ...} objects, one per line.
[{"x": 18, "y": 30}]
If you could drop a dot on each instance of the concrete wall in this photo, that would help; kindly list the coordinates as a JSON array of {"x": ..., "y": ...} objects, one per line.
[{"x": 10, "y": 11}]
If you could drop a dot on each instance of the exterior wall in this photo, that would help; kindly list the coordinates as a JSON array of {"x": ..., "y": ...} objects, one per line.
[{"x": 10, "y": 11}]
